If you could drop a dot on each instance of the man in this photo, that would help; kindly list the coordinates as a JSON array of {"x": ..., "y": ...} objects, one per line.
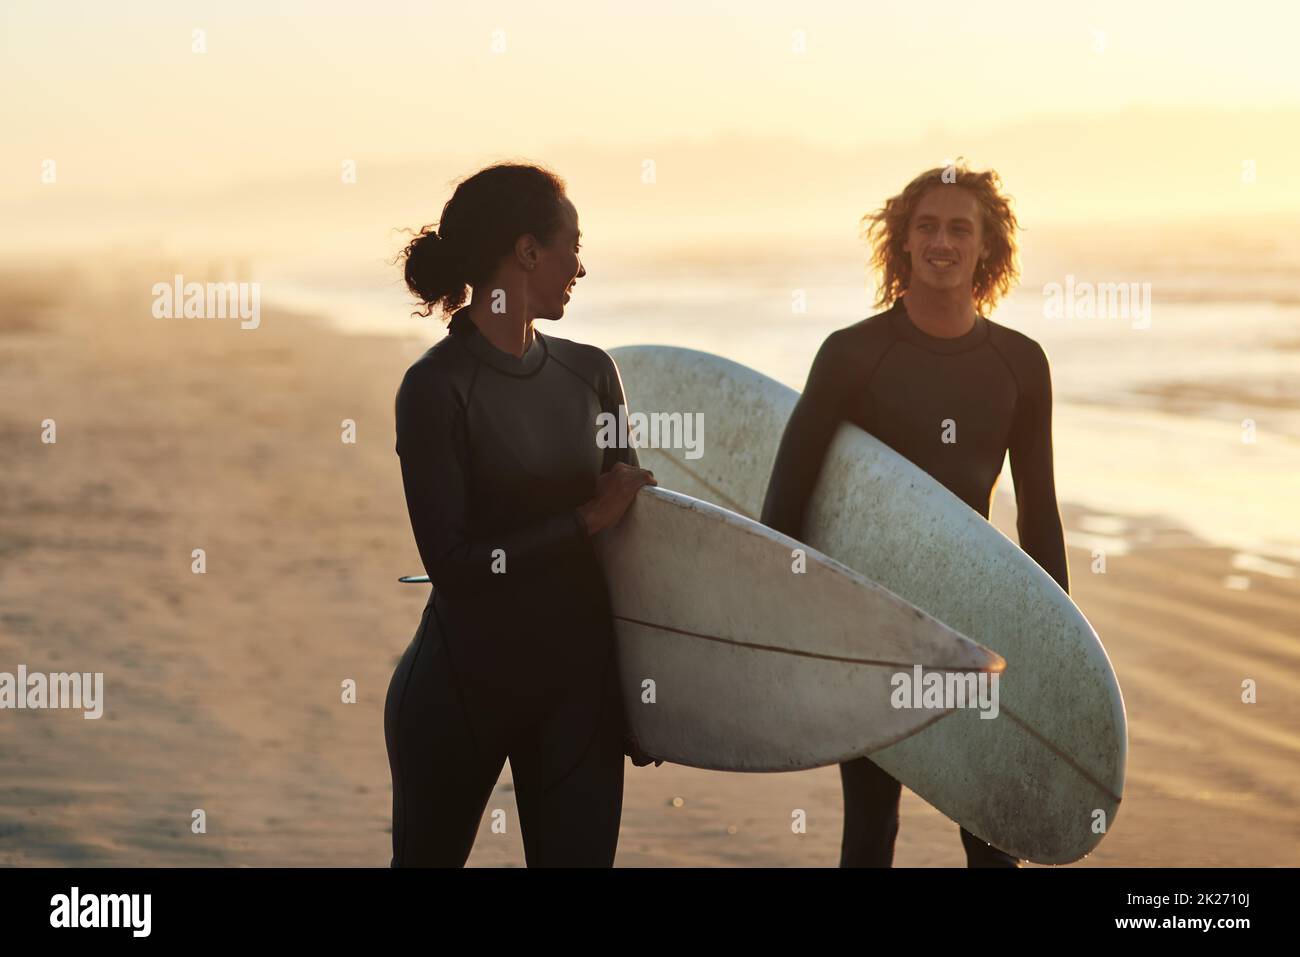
[{"x": 947, "y": 388}]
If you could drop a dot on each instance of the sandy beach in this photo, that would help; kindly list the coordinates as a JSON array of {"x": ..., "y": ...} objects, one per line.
[{"x": 223, "y": 690}]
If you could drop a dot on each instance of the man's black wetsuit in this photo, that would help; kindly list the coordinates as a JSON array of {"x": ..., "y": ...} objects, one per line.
[
  {"x": 497, "y": 453},
  {"x": 990, "y": 390}
]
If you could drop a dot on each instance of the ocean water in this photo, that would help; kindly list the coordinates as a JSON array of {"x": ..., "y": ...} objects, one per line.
[{"x": 1186, "y": 416}]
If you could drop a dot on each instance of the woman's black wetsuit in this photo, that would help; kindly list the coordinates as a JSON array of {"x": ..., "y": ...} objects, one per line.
[{"x": 513, "y": 657}]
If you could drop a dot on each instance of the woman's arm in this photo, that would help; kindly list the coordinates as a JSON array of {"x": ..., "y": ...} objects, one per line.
[{"x": 611, "y": 397}]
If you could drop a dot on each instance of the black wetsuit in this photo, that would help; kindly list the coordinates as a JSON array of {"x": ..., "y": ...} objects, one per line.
[
  {"x": 990, "y": 390},
  {"x": 497, "y": 452}
]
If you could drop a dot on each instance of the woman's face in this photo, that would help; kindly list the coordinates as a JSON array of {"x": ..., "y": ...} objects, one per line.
[{"x": 558, "y": 267}]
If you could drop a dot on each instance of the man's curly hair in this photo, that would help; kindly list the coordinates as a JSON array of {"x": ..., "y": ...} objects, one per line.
[{"x": 886, "y": 232}]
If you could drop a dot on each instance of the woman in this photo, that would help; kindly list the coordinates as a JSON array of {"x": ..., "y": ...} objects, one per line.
[{"x": 505, "y": 484}]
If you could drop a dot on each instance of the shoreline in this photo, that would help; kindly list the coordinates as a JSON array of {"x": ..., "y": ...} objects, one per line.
[{"x": 1103, "y": 441}]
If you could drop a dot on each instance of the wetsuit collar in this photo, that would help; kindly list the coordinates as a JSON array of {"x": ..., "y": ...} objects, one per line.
[
  {"x": 463, "y": 328},
  {"x": 908, "y": 331}
]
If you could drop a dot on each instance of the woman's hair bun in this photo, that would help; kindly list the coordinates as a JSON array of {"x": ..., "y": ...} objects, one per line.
[
  {"x": 486, "y": 214},
  {"x": 431, "y": 272}
]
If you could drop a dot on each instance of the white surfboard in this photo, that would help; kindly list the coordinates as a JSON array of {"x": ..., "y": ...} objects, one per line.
[
  {"x": 731, "y": 659},
  {"x": 1045, "y": 778},
  {"x": 741, "y": 649}
]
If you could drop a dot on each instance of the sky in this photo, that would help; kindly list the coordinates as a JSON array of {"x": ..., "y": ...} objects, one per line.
[{"x": 800, "y": 115}]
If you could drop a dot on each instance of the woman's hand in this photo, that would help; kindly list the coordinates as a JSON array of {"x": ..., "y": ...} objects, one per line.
[{"x": 614, "y": 493}]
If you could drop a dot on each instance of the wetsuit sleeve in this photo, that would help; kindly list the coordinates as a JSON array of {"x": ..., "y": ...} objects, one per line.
[
  {"x": 807, "y": 436},
  {"x": 611, "y": 397},
  {"x": 1038, "y": 520},
  {"x": 432, "y": 446}
]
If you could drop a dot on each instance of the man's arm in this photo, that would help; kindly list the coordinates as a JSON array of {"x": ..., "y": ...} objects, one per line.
[
  {"x": 1038, "y": 521},
  {"x": 804, "y": 443}
]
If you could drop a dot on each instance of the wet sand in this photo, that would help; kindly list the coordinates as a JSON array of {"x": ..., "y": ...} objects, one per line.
[{"x": 223, "y": 690}]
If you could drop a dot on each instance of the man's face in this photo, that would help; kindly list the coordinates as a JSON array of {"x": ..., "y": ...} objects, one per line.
[{"x": 946, "y": 238}]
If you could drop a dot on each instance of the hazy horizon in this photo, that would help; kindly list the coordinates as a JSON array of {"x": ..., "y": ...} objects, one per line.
[{"x": 750, "y": 194}]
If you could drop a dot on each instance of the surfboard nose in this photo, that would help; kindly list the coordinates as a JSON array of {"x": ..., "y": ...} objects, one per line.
[
  {"x": 761, "y": 654},
  {"x": 964, "y": 654}
]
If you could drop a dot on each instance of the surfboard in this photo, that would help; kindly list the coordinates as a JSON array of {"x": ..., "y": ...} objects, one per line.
[
  {"x": 740, "y": 649},
  {"x": 1045, "y": 778}
]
